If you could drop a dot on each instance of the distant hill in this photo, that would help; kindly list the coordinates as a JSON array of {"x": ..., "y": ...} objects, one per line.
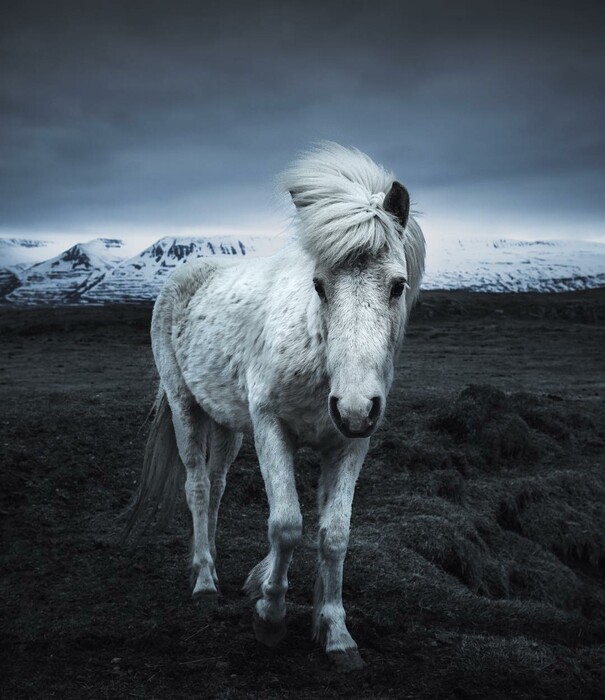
[
  {"x": 67, "y": 276},
  {"x": 23, "y": 252},
  {"x": 507, "y": 265}
]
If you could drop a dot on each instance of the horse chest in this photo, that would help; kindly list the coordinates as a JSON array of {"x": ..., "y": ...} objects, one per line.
[{"x": 301, "y": 401}]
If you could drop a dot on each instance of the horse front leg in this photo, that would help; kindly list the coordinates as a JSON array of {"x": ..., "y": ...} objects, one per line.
[
  {"x": 267, "y": 583},
  {"x": 339, "y": 473}
]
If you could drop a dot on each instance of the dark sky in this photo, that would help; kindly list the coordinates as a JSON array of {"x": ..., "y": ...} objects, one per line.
[{"x": 175, "y": 115}]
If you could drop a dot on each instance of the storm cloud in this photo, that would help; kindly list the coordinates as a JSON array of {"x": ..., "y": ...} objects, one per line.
[{"x": 180, "y": 114}]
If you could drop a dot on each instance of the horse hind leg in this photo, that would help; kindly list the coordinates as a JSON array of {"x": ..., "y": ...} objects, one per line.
[
  {"x": 223, "y": 447},
  {"x": 192, "y": 430}
]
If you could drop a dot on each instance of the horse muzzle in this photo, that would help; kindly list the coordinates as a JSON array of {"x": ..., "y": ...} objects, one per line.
[{"x": 356, "y": 416}]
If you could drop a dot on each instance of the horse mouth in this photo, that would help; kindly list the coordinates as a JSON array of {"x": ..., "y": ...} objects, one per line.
[{"x": 352, "y": 434}]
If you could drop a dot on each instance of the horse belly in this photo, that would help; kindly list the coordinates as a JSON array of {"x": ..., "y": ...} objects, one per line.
[
  {"x": 226, "y": 411},
  {"x": 213, "y": 372},
  {"x": 217, "y": 388}
]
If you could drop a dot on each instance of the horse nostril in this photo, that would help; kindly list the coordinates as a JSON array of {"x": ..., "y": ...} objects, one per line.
[
  {"x": 375, "y": 410},
  {"x": 334, "y": 407}
]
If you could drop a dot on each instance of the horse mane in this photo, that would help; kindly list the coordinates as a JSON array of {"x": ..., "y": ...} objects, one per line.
[
  {"x": 415, "y": 251},
  {"x": 338, "y": 193}
]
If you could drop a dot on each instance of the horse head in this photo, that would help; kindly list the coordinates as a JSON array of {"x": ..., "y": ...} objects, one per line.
[{"x": 361, "y": 309}]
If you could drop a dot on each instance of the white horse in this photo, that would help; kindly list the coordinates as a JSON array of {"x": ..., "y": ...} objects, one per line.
[{"x": 300, "y": 348}]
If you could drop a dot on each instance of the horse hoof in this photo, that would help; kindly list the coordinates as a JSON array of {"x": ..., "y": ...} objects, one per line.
[
  {"x": 268, "y": 633},
  {"x": 347, "y": 660}
]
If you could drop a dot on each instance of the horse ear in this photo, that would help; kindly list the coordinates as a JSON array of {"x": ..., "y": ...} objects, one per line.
[
  {"x": 297, "y": 197},
  {"x": 397, "y": 203}
]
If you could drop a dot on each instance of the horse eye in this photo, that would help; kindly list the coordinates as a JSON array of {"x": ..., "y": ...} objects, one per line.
[
  {"x": 319, "y": 288},
  {"x": 398, "y": 288}
]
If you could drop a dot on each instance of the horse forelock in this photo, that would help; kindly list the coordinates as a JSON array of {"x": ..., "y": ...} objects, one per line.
[{"x": 339, "y": 193}]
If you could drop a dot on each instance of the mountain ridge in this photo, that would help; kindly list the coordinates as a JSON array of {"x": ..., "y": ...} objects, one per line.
[
  {"x": 99, "y": 271},
  {"x": 141, "y": 277},
  {"x": 66, "y": 276}
]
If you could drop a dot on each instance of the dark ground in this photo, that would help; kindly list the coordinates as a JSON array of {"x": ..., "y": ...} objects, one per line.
[{"x": 477, "y": 559}]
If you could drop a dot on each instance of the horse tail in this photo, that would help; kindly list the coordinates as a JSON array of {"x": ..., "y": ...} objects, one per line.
[{"x": 156, "y": 495}]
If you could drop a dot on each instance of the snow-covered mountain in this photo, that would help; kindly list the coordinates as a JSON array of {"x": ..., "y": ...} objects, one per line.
[
  {"x": 67, "y": 276},
  {"x": 515, "y": 265},
  {"x": 20, "y": 253},
  {"x": 140, "y": 278},
  {"x": 97, "y": 272}
]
